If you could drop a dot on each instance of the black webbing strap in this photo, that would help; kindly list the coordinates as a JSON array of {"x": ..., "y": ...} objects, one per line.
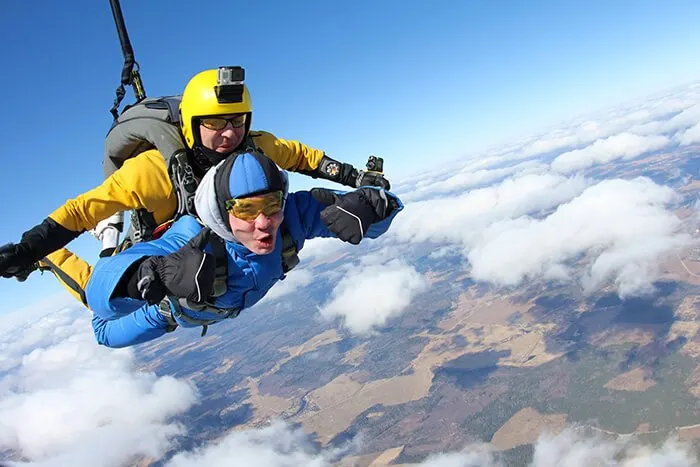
[{"x": 130, "y": 73}]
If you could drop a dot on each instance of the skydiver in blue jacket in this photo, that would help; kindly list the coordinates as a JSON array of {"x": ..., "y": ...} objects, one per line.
[{"x": 177, "y": 280}]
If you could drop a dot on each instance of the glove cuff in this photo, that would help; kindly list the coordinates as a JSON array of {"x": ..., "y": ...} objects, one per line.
[
  {"x": 339, "y": 172},
  {"x": 142, "y": 281},
  {"x": 46, "y": 238},
  {"x": 381, "y": 204}
]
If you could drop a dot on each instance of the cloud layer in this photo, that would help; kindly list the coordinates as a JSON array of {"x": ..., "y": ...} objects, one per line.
[
  {"x": 531, "y": 209},
  {"x": 623, "y": 146},
  {"x": 622, "y": 226},
  {"x": 66, "y": 401},
  {"x": 523, "y": 212},
  {"x": 280, "y": 445},
  {"x": 571, "y": 448},
  {"x": 277, "y": 445}
]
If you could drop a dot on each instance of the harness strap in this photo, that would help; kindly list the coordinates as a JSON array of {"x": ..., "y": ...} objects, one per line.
[
  {"x": 164, "y": 310},
  {"x": 143, "y": 224},
  {"x": 290, "y": 252},
  {"x": 184, "y": 184},
  {"x": 221, "y": 272},
  {"x": 67, "y": 280},
  {"x": 174, "y": 306}
]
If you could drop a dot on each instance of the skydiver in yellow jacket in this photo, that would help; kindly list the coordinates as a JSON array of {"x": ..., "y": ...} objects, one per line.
[{"x": 212, "y": 128}]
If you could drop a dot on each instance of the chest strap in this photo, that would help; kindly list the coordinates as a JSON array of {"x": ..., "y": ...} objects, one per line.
[{"x": 171, "y": 309}]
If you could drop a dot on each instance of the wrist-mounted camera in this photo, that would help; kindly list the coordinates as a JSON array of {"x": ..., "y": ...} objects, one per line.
[{"x": 375, "y": 164}]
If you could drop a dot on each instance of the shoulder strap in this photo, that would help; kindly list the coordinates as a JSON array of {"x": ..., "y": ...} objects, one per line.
[
  {"x": 184, "y": 184},
  {"x": 221, "y": 258},
  {"x": 290, "y": 252},
  {"x": 142, "y": 225}
]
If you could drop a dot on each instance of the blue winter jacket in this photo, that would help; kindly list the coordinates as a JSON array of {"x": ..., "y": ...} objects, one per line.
[{"x": 121, "y": 322}]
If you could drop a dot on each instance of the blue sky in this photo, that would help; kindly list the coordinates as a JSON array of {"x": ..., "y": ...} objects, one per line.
[{"x": 416, "y": 82}]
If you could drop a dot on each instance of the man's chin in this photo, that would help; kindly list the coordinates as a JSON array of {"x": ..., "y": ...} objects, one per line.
[
  {"x": 262, "y": 248},
  {"x": 230, "y": 146}
]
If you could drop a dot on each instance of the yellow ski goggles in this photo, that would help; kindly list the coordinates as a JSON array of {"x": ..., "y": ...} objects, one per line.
[
  {"x": 248, "y": 209},
  {"x": 219, "y": 123}
]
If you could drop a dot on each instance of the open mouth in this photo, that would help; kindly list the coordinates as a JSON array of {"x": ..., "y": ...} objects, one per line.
[{"x": 265, "y": 241}]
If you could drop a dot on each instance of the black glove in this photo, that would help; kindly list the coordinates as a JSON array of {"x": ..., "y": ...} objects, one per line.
[
  {"x": 346, "y": 174},
  {"x": 350, "y": 215},
  {"x": 20, "y": 259},
  {"x": 16, "y": 261},
  {"x": 365, "y": 178},
  {"x": 188, "y": 273}
]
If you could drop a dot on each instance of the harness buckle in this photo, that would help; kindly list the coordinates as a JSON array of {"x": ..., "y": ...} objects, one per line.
[{"x": 184, "y": 184}]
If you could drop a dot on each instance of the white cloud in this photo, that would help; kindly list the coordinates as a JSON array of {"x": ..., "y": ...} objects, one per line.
[
  {"x": 571, "y": 448},
  {"x": 319, "y": 248},
  {"x": 69, "y": 401},
  {"x": 295, "y": 280},
  {"x": 461, "y": 219},
  {"x": 277, "y": 445},
  {"x": 472, "y": 456},
  {"x": 511, "y": 209},
  {"x": 621, "y": 225},
  {"x": 645, "y": 117},
  {"x": 369, "y": 295},
  {"x": 280, "y": 445},
  {"x": 689, "y": 136},
  {"x": 684, "y": 119},
  {"x": 656, "y": 117},
  {"x": 563, "y": 138},
  {"x": 622, "y": 146},
  {"x": 468, "y": 177},
  {"x": 443, "y": 252},
  {"x": 575, "y": 450}
]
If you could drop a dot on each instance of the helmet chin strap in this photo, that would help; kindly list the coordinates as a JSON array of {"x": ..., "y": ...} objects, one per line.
[{"x": 207, "y": 158}]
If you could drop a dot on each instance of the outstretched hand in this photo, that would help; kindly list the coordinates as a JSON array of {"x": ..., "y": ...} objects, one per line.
[
  {"x": 16, "y": 261},
  {"x": 188, "y": 273},
  {"x": 350, "y": 215}
]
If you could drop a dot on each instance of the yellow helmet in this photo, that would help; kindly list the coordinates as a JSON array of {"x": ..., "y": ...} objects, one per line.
[{"x": 213, "y": 92}]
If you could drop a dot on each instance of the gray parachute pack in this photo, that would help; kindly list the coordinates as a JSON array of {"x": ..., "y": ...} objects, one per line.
[{"x": 153, "y": 123}]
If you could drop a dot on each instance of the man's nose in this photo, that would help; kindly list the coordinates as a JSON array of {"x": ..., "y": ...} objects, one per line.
[
  {"x": 228, "y": 130},
  {"x": 262, "y": 222}
]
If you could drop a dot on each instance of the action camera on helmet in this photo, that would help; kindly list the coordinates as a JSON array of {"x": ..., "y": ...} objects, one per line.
[{"x": 229, "y": 84}]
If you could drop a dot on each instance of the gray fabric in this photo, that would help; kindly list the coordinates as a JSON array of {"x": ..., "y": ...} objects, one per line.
[
  {"x": 205, "y": 203},
  {"x": 153, "y": 123}
]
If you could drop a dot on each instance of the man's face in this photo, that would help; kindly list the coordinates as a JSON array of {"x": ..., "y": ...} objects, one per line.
[
  {"x": 219, "y": 133},
  {"x": 258, "y": 235}
]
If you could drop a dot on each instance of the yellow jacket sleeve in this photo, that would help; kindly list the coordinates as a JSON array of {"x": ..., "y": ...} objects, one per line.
[
  {"x": 290, "y": 155},
  {"x": 142, "y": 182}
]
